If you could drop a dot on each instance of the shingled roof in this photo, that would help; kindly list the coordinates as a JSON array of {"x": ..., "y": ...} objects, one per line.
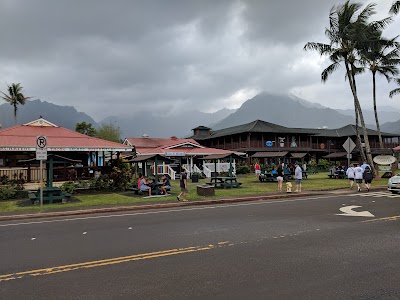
[
  {"x": 257, "y": 126},
  {"x": 263, "y": 126},
  {"x": 350, "y": 130}
]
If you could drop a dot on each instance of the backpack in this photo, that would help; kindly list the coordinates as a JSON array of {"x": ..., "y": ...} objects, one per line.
[{"x": 368, "y": 170}]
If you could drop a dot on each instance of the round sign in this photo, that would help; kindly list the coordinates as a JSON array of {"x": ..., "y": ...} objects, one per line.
[
  {"x": 322, "y": 146},
  {"x": 384, "y": 159},
  {"x": 41, "y": 141},
  {"x": 268, "y": 144}
]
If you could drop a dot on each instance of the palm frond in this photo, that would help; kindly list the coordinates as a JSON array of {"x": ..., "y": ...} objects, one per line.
[
  {"x": 328, "y": 71},
  {"x": 395, "y": 8}
]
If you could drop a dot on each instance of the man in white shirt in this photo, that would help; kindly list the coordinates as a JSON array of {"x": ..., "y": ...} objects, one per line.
[
  {"x": 298, "y": 173},
  {"x": 358, "y": 175},
  {"x": 350, "y": 176}
]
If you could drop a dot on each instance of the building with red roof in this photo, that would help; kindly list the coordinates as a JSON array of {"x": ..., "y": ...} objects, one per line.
[{"x": 20, "y": 142}]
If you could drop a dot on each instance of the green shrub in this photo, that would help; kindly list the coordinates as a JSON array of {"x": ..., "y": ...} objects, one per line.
[
  {"x": 68, "y": 187},
  {"x": 244, "y": 169},
  {"x": 7, "y": 192}
]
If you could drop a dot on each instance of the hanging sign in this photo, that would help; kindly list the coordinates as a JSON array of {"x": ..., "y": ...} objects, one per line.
[{"x": 268, "y": 144}]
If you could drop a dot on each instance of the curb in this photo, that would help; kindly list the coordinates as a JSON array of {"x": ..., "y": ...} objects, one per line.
[{"x": 150, "y": 206}]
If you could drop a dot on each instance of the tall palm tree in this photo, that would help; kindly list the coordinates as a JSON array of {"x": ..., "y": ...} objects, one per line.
[
  {"x": 346, "y": 32},
  {"x": 395, "y": 8},
  {"x": 381, "y": 57},
  {"x": 15, "y": 97}
]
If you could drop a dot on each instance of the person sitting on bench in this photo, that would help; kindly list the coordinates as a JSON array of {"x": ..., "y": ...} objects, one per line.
[
  {"x": 144, "y": 186},
  {"x": 166, "y": 184}
]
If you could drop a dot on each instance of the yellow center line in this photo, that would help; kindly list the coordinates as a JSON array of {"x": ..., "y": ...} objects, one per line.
[
  {"x": 104, "y": 262},
  {"x": 392, "y": 218}
]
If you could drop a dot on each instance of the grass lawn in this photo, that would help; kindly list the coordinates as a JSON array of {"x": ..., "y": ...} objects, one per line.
[{"x": 250, "y": 186}]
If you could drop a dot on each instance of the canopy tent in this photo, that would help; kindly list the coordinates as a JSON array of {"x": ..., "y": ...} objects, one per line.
[{"x": 269, "y": 154}]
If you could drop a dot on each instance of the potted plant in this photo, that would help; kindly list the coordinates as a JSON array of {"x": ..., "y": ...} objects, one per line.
[{"x": 195, "y": 176}]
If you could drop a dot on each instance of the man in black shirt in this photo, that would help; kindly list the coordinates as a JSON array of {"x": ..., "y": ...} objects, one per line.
[{"x": 183, "y": 185}]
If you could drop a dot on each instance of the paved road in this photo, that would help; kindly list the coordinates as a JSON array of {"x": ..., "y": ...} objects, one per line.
[{"x": 297, "y": 248}]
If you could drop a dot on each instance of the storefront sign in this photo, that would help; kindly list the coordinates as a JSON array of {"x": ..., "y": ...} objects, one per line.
[{"x": 384, "y": 159}]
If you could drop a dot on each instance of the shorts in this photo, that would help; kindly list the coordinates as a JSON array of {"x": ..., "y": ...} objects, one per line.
[
  {"x": 358, "y": 180},
  {"x": 184, "y": 190},
  {"x": 298, "y": 181},
  {"x": 368, "y": 181},
  {"x": 258, "y": 171},
  {"x": 143, "y": 189},
  {"x": 279, "y": 178},
  {"x": 351, "y": 179}
]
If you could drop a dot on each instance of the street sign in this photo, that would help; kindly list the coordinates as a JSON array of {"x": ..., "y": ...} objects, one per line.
[
  {"x": 41, "y": 154},
  {"x": 41, "y": 141},
  {"x": 349, "y": 145},
  {"x": 41, "y": 147}
]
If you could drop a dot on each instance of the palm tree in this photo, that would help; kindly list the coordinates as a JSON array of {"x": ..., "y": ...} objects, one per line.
[
  {"x": 395, "y": 91},
  {"x": 381, "y": 57},
  {"x": 15, "y": 97},
  {"x": 395, "y": 8},
  {"x": 346, "y": 32}
]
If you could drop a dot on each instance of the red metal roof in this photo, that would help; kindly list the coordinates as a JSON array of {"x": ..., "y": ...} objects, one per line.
[
  {"x": 58, "y": 139},
  {"x": 166, "y": 146},
  {"x": 158, "y": 142}
]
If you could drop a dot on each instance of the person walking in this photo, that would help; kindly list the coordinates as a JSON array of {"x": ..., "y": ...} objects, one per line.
[
  {"x": 183, "y": 185},
  {"x": 279, "y": 178},
  {"x": 367, "y": 177},
  {"x": 298, "y": 173},
  {"x": 257, "y": 169},
  {"x": 358, "y": 175},
  {"x": 350, "y": 176}
]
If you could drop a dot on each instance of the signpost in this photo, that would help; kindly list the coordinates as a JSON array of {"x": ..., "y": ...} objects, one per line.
[
  {"x": 349, "y": 146},
  {"x": 41, "y": 155}
]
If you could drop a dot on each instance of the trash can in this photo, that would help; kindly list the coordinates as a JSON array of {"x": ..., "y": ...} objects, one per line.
[{"x": 195, "y": 178}]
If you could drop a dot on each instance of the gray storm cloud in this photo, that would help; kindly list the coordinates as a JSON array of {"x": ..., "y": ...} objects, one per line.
[{"x": 118, "y": 57}]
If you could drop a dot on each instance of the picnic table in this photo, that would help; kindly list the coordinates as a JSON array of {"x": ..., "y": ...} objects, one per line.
[
  {"x": 50, "y": 194},
  {"x": 224, "y": 182},
  {"x": 268, "y": 177},
  {"x": 337, "y": 175}
]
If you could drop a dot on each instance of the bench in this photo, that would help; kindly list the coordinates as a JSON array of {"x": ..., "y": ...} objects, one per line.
[
  {"x": 135, "y": 190},
  {"x": 34, "y": 197},
  {"x": 230, "y": 185},
  {"x": 216, "y": 184}
]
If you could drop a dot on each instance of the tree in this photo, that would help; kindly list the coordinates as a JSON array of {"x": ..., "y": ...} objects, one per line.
[
  {"x": 395, "y": 8},
  {"x": 15, "y": 97},
  {"x": 395, "y": 91},
  {"x": 348, "y": 29},
  {"x": 109, "y": 132},
  {"x": 85, "y": 128},
  {"x": 381, "y": 57}
]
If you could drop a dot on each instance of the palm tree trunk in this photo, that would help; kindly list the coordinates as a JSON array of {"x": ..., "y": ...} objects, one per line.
[
  {"x": 358, "y": 136},
  {"x": 351, "y": 77},
  {"x": 15, "y": 114},
  {"x": 375, "y": 110},
  {"x": 359, "y": 143}
]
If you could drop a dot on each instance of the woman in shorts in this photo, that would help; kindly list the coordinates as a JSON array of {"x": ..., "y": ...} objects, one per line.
[{"x": 279, "y": 178}]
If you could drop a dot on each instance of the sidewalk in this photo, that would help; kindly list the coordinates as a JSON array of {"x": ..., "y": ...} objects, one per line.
[{"x": 144, "y": 206}]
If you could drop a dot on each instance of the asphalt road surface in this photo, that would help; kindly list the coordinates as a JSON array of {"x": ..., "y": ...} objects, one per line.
[{"x": 321, "y": 247}]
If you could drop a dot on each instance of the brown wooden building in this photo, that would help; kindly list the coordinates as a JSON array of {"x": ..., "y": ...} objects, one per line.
[{"x": 269, "y": 142}]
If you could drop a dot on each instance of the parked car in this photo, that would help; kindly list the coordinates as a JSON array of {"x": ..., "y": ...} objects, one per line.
[{"x": 394, "y": 184}]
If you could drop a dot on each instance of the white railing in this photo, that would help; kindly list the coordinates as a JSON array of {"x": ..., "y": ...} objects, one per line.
[
  {"x": 207, "y": 171},
  {"x": 196, "y": 169},
  {"x": 221, "y": 167}
]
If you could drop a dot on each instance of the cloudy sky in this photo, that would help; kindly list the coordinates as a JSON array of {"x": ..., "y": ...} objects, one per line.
[{"x": 125, "y": 56}]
